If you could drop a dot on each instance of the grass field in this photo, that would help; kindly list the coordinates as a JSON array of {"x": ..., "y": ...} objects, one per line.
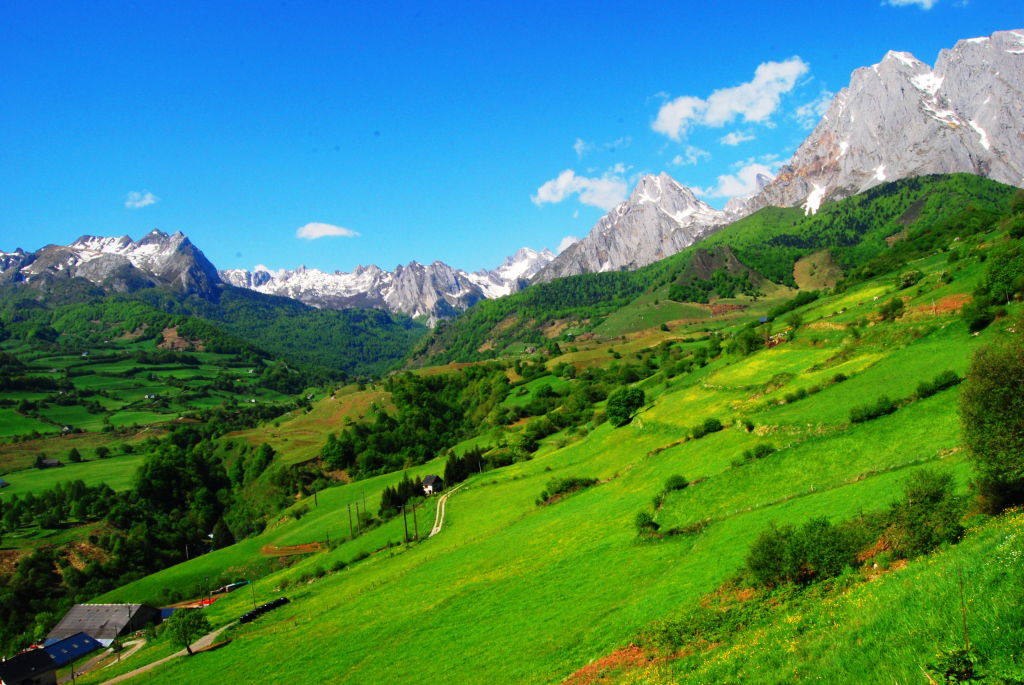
[
  {"x": 558, "y": 585},
  {"x": 515, "y": 589},
  {"x": 117, "y": 472}
]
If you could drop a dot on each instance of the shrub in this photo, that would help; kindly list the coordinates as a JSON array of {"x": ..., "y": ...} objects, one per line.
[
  {"x": 882, "y": 406},
  {"x": 675, "y": 482},
  {"x": 927, "y": 516},
  {"x": 759, "y": 451},
  {"x": 943, "y": 380},
  {"x": 564, "y": 486},
  {"x": 908, "y": 278},
  {"x": 802, "y": 555},
  {"x": 977, "y": 314},
  {"x": 708, "y": 426},
  {"x": 992, "y": 420},
  {"x": 622, "y": 403},
  {"x": 891, "y": 310},
  {"x": 645, "y": 523}
]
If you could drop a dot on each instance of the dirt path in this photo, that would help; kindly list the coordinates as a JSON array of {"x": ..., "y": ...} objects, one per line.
[
  {"x": 201, "y": 643},
  {"x": 439, "y": 517}
]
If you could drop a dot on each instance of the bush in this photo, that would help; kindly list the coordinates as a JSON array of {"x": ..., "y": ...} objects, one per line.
[
  {"x": 927, "y": 516},
  {"x": 946, "y": 379},
  {"x": 675, "y": 482},
  {"x": 564, "y": 486},
  {"x": 759, "y": 451},
  {"x": 882, "y": 406},
  {"x": 815, "y": 551},
  {"x": 977, "y": 314},
  {"x": 992, "y": 420},
  {"x": 891, "y": 310},
  {"x": 908, "y": 278},
  {"x": 622, "y": 403},
  {"x": 645, "y": 523},
  {"x": 708, "y": 426}
]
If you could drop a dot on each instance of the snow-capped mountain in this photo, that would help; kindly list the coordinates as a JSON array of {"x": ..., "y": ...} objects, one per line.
[
  {"x": 896, "y": 119},
  {"x": 902, "y": 118},
  {"x": 660, "y": 218},
  {"x": 432, "y": 291},
  {"x": 120, "y": 264}
]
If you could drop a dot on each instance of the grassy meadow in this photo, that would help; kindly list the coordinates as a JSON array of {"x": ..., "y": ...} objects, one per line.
[{"x": 528, "y": 593}]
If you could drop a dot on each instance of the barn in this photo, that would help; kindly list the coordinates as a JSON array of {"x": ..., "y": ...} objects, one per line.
[
  {"x": 67, "y": 650},
  {"x": 102, "y": 622},
  {"x": 35, "y": 667}
]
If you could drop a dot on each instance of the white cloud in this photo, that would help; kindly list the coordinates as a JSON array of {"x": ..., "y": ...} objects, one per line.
[
  {"x": 582, "y": 147},
  {"x": 808, "y": 114},
  {"x": 675, "y": 116},
  {"x": 923, "y": 4},
  {"x": 604, "y": 192},
  {"x": 736, "y": 137},
  {"x": 314, "y": 230},
  {"x": 691, "y": 155},
  {"x": 566, "y": 242},
  {"x": 754, "y": 101},
  {"x": 744, "y": 182},
  {"x": 138, "y": 200}
]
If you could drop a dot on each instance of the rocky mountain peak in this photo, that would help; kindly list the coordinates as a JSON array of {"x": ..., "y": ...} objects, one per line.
[
  {"x": 431, "y": 291},
  {"x": 661, "y": 217},
  {"x": 901, "y": 118},
  {"x": 121, "y": 264}
]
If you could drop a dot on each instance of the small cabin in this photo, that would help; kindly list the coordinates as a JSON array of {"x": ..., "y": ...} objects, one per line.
[
  {"x": 432, "y": 484},
  {"x": 3, "y": 483},
  {"x": 51, "y": 463}
]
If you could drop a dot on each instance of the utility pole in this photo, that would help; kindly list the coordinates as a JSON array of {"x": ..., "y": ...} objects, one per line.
[
  {"x": 252, "y": 586},
  {"x": 350, "y": 535},
  {"x": 316, "y": 503},
  {"x": 415, "y": 525},
  {"x": 328, "y": 538},
  {"x": 405, "y": 522}
]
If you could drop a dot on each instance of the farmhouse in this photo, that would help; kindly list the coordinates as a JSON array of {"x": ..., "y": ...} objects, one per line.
[
  {"x": 432, "y": 484},
  {"x": 102, "y": 622},
  {"x": 29, "y": 668},
  {"x": 67, "y": 650}
]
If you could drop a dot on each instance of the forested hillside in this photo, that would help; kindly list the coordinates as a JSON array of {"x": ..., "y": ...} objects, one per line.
[{"x": 328, "y": 344}]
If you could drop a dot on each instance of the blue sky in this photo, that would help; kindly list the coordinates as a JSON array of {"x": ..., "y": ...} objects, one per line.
[{"x": 402, "y": 131}]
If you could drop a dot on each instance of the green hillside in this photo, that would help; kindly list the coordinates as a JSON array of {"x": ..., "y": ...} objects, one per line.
[
  {"x": 932, "y": 210},
  {"x": 641, "y": 489}
]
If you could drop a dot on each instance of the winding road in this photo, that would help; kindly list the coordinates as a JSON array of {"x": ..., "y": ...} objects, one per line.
[{"x": 439, "y": 517}]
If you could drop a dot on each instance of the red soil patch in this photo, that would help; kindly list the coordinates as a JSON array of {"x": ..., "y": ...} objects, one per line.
[
  {"x": 290, "y": 550},
  {"x": 947, "y": 305},
  {"x": 604, "y": 669},
  {"x": 874, "y": 550}
]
